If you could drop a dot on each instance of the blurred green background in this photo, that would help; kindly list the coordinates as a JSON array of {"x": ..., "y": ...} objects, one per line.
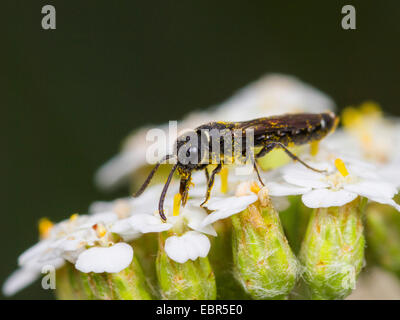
[{"x": 68, "y": 96}]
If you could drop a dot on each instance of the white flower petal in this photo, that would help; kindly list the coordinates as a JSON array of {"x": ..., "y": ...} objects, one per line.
[
  {"x": 125, "y": 230},
  {"x": 146, "y": 223},
  {"x": 390, "y": 202},
  {"x": 24, "y": 276},
  {"x": 112, "y": 259},
  {"x": 363, "y": 170},
  {"x": 19, "y": 279},
  {"x": 195, "y": 217},
  {"x": 101, "y": 217},
  {"x": 217, "y": 203},
  {"x": 391, "y": 173},
  {"x": 116, "y": 170},
  {"x": 305, "y": 178},
  {"x": 227, "y": 207},
  {"x": 370, "y": 188},
  {"x": 37, "y": 249},
  {"x": 190, "y": 245},
  {"x": 175, "y": 249},
  {"x": 285, "y": 189},
  {"x": 324, "y": 198},
  {"x": 280, "y": 203},
  {"x": 134, "y": 226}
]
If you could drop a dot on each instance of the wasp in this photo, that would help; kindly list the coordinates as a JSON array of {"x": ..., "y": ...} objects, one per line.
[{"x": 196, "y": 151}]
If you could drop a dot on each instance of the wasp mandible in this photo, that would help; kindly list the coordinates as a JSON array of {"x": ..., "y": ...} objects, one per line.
[{"x": 195, "y": 151}]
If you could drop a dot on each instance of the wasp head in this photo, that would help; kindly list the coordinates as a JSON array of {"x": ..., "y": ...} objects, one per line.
[{"x": 191, "y": 149}]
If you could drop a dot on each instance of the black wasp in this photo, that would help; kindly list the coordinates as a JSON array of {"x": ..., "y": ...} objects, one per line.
[{"x": 267, "y": 133}]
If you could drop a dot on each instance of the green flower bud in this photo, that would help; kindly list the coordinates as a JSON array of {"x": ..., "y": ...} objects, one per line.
[
  {"x": 222, "y": 263},
  {"x": 383, "y": 236},
  {"x": 128, "y": 284},
  {"x": 68, "y": 286},
  {"x": 264, "y": 263},
  {"x": 192, "y": 280},
  {"x": 332, "y": 252},
  {"x": 146, "y": 251}
]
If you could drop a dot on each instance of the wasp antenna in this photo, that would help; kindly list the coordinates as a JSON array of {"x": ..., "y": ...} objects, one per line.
[
  {"x": 150, "y": 176},
  {"x": 164, "y": 193}
]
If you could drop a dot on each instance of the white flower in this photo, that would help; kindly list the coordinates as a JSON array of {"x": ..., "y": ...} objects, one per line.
[
  {"x": 125, "y": 207},
  {"x": 133, "y": 227},
  {"x": 338, "y": 187},
  {"x": 190, "y": 245},
  {"x": 247, "y": 193},
  {"x": 225, "y": 207},
  {"x": 141, "y": 216},
  {"x": 27, "y": 274},
  {"x": 370, "y": 136},
  {"x": 112, "y": 259},
  {"x": 68, "y": 241},
  {"x": 189, "y": 217},
  {"x": 272, "y": 95}
]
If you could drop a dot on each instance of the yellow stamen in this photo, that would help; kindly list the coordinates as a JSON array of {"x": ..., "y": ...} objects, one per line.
[
  {"x": 339, "y": 164},
  {"x": 177, "y": 204},
  {"x": 73, "y": 217},
  {"x": 350, "y": 116},
  {"x": 254, "y": 187},
  {"x": 100, "y": 230},
  {"x": 45, "y": 226},
  {"x": 314, "y": 148},
  {"x": 224, "y": 179},
  {"x": 370, "y": 108}
]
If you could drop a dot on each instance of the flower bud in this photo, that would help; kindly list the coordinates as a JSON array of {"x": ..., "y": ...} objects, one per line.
[
  {"x": 332, "y": 252},
  {"x": 146, "y": 251},
  {"x": 128, "y": 284},
  {"x": 264, "y": 262},
  {"x": 383, "y": 236},
  {"x": 222, "y": 263},
  {"x": 191, "y": 280},
  {"x": 68, "y": 286}
]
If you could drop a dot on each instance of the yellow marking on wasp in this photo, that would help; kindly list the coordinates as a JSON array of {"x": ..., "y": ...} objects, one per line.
[
  {"x": 314, "y": 148},
  {"x": 177, "y": 204},
  {"x": 339, "y": 164},
  {"x": 224, "y": 179},
  {"x": 45, "y": 225}
]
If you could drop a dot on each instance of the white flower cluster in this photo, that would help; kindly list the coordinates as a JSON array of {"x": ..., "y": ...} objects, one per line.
[{"x": 101, "y": 241}]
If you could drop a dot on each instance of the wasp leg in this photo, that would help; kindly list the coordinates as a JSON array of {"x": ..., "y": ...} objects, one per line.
[
  {"x": 184, "y": 188},
  {"x": 296, "y": 158},
  {"x": 255, "y": 166},
  {"x": 150, "y": 176},
  {"x": 207, "y": 174},
  {"x": 164, "y": 193},
  {"x": 211, "y": 183}
]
